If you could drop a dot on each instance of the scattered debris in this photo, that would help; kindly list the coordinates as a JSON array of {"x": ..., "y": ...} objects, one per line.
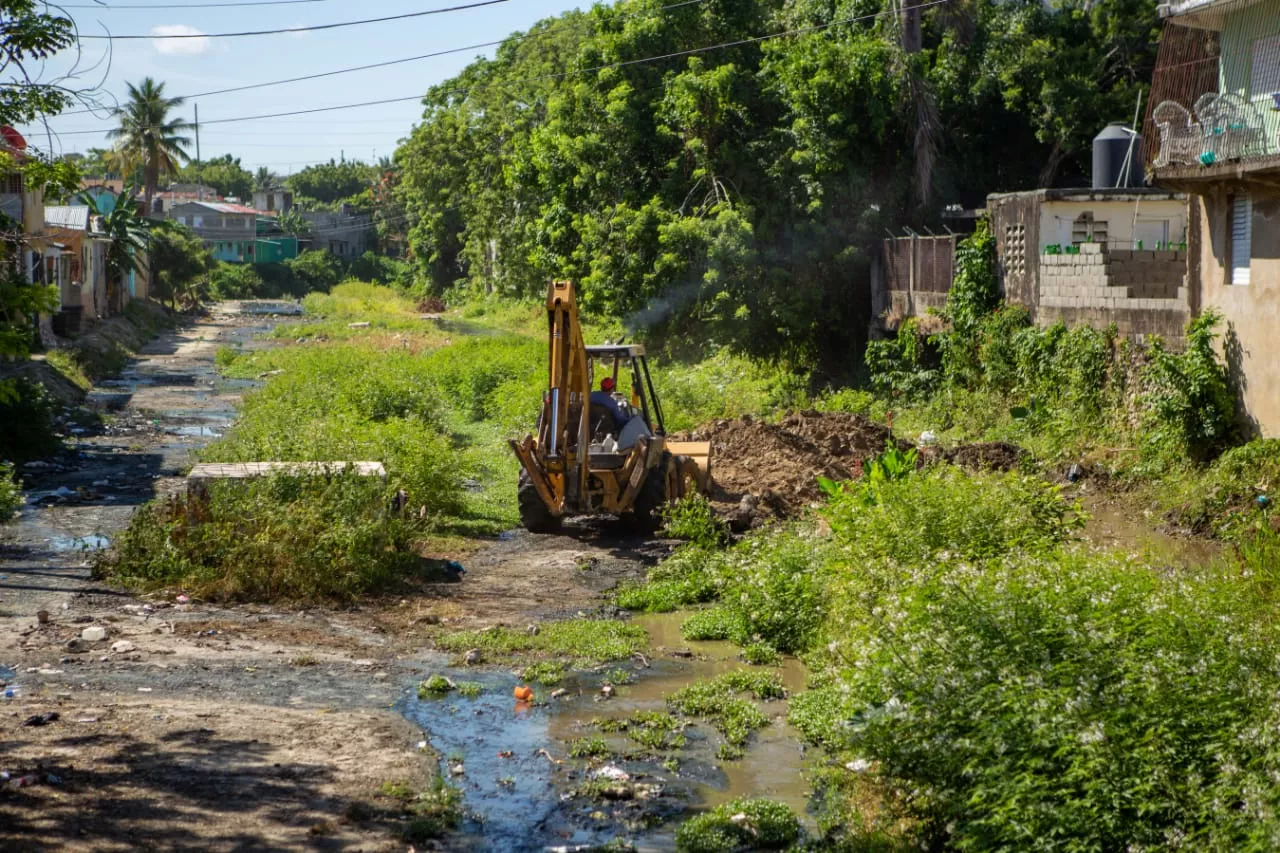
[
  {"x": 122, "y": 647},
  {"x": 473, "y": 657},
  {"x": 523, "y": 693},
  {"x": 41, "y": 719},
  {"x": 93, "y": 634},
  {"x": 612, "y": 773}
]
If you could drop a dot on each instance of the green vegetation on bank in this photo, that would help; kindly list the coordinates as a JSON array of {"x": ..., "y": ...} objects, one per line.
[{"x": 998, "y": 684}]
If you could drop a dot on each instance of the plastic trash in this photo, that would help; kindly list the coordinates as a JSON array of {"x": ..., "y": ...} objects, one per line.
[
  {"x": 612, "y": 773},
  {"x": 1262, "y": 501},
  {"x": 523, "y": 693},
  {"x": 1074, "y": 473},
  {"x": 93, "y": 634},
  {"x": 36, "y": 720},
  {"x": 182, "y": 599},
  {"x": 928, "y": 438}
]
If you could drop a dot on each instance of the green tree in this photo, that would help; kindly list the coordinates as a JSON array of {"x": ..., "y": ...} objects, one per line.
[
  {"x": 319, "y": 269},
  {"x": 147, "y": 138},
  {"x": 234, "y": 281},
  {"x": 178, "y": 261},
  {"x": 333, "y": 183},
  {"x": 293, "y": 222},
  {"x": 224, "y": 174},
  {"x": 31, "y": 35},
  {"x": 265, "y": 179}
]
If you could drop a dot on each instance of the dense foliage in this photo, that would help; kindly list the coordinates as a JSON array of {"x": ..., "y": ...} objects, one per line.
[
  {"x": 224, "y": 174},
  {"x": 328, "y": 186},
  {"x": 735, "y": 193},
  {"x": 987, "y": 683}
]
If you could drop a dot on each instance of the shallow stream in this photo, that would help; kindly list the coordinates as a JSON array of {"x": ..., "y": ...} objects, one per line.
[{"x": 518, "y": 779}]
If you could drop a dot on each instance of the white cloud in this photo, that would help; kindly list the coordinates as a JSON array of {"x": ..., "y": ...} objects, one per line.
[{"x": 180, "y": 46}]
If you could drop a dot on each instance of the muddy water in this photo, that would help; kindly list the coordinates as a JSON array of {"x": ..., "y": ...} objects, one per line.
[
  {"x": 1114, "y": 526},
  {"x": 522, "y": 800}
]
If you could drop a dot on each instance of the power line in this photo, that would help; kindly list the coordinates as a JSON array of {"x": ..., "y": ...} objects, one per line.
[
  {"x": 560, "y": 75},
  {"x": 312, "y": 28},
  {"x": 373, "y": 65},
  {"x": 107, "y": 8}
]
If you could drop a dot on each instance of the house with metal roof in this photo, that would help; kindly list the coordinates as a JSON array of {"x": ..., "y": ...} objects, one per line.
[
  {"x": 229, "y": 230},
  {"x": 77, "y": 264}
]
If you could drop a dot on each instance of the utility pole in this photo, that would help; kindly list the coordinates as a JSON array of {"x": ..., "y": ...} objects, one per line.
[{"x": 199, "y": 169}]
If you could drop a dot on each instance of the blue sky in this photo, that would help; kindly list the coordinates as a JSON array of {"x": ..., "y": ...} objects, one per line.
[{"x": 285, "y": 145}]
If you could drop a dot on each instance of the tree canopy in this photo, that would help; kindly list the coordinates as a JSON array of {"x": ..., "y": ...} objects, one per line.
[
  {"x": 329, "y": 185},
  {"x": 224, "y": 174},
  {"x": 733, "y": 195}
]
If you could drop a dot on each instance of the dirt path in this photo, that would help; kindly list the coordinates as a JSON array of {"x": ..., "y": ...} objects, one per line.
[{"x": 193, "y": 726}]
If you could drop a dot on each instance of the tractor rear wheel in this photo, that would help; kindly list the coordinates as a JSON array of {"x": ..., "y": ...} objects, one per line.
[
  {"x": 646, "y": 515},
  {"x": 534, "y": 514}
]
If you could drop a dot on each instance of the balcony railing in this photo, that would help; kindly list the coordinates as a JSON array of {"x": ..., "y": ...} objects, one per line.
[{"x": 1214, "y": 93}]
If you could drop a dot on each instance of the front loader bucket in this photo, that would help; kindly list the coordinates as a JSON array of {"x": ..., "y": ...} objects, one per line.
[{"x": 693, "y": 465}]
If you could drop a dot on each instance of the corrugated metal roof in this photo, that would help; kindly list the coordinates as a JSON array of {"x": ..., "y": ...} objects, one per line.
[
  {"x": 73, "y": 217},
  {"x": 223, "y": 207}
]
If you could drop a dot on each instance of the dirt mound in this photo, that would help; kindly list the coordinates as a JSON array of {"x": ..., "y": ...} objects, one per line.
[
  {"x": 763, "y": 469},
  {"x": 986, "y": 456}
]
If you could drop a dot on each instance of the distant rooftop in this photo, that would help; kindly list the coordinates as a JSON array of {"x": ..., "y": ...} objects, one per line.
[{"x": 224, "y": 207}]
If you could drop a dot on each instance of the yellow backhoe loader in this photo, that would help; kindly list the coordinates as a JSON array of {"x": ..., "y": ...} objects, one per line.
[{"x": 604, "y": 451}]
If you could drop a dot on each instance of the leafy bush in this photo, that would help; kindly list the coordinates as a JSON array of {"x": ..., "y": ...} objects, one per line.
[
  {"x": 1064, "y": 696},
  {"x": 1191, "y": 402},
  {"x": 740, "y": 825},
  {"x": 234, "y": 281},
  {"x": 724, "y": 385},
  {"x": 27, "y": 415},
  {"x": 693, "y": 520},
  {"x": 10, "y": 492},
  {"x": 1227, "y": 493},
  {"x": 318, "y": 269},
  {"x": 974, "y": 294},
  {"x": 943, "y": 509},
  {"x": 903, "y": 365},
  {"x": 277, "y": 538}
]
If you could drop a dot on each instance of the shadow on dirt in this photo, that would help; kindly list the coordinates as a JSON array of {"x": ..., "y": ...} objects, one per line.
[{"x": 143, "y": 791}]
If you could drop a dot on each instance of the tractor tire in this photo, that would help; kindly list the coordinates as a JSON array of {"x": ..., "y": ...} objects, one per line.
[
  {"x": 646, "y": 516},
  {"x": 534, "y": 514}
]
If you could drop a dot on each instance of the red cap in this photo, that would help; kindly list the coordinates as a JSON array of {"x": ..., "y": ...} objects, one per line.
[{"x": 606, "y": 385}]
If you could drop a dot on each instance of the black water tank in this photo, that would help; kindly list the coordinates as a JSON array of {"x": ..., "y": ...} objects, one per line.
[{"x": 1111, "y": 149}]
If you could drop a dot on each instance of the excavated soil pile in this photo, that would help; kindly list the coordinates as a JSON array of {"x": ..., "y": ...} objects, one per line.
[
  {"x": 986, "y": 456},
  {"x": 763, "y": 469}
]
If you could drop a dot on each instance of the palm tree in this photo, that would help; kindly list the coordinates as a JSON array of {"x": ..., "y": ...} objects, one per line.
[
  {"x": 147, "y": 138},
  {"x": 265, "y": 179}
]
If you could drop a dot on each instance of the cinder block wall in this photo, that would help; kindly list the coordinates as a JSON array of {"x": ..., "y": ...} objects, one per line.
[{"x": 1141, "y": 293}]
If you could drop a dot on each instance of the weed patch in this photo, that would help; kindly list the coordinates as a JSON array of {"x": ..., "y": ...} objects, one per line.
[
  {"x": 277, "y": 538},
  {"x": 589, "y": 747},
  {"x": 587, "y": 640},
  {"x": 718, "y": 702},
  {"x": 740, "y": 825}
]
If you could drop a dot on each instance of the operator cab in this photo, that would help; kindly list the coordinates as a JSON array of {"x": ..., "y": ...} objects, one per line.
[{"x": 624, "y": 406}]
